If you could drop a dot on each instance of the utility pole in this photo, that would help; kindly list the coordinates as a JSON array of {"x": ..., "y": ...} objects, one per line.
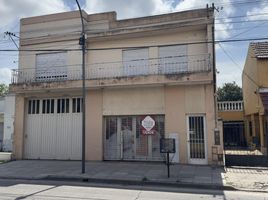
[
  {"x": 11, "y": 35},
  {"x": 82, "y": 42},
  {"x": 214, "y": 68}
]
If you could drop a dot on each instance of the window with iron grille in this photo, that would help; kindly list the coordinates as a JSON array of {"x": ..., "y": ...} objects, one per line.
[
  {"x": 77, "y": 105},
  {"x": 63, "y": 105},
  {"x": 33, "y": 106},
  {"x": 48, "y": 106},
  {"x": 196, "y": 128}
]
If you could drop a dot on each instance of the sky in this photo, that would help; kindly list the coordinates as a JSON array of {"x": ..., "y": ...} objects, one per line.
[{"x": 235, "y": 19}]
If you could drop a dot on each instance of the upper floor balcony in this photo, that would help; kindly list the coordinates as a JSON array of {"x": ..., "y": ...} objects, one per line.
[
  {"x": 231, "y": 111},
  {"x": 140, "y": 67},
  {"x": 230, "y": 106}
]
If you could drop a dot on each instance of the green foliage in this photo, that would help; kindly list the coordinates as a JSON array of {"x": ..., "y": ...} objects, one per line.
[
  {"x": 3, "y": 89},
  {"x": 230, "y": 92}
]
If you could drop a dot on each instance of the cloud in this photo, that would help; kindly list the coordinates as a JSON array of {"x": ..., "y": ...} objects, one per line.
[
  {"x": 139, "y": 8},
  {"x": 258, "y": 13},
  {"x": 222, "y": 23},
  {"x": 195, "y": 4},
  {"x": 228, "y": 73},
  {"x": 10, "y": 13},
  {"x": 11, "y": 10},
  {"x": 129, "y": 8}
]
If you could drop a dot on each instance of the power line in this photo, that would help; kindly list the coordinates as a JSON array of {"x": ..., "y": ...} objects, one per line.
[
  {"x": 181, "y": 26},
  {"x": 232, "y": 3},
  {"x": 100, "y": 30},
  {"x": 237, "y": 65},
  {"x": 237, "y": 29},
  {"x": 4, "y": 41},
  {"x": 11, "y": 35},
  {"x": 230, "y": 17},
  {"x": 248, "y": 30},
  {"x": 241, "y": 2},
  {"x": 242, "y": 16},
  {"x": 243, "y": 21},
  {"x": 138, "y": 47}
]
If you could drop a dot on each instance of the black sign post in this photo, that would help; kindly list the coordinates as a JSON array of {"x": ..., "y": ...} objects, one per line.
[
  {"x": 168, "y": 164},
  {"x": 167, "y": 145}
]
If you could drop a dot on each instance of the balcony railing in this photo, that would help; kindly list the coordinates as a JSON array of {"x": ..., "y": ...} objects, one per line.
[
  {"x": 144, "y": 67},
  {"x": 230, "y": 106}
]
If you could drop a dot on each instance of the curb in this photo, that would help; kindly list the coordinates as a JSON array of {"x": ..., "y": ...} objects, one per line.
[
  {"x": 134, "y": 183},
  {"x": 141, "y": 183}
]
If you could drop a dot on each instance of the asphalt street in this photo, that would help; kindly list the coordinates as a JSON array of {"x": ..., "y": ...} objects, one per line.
[{"x": 29, "y": 189}]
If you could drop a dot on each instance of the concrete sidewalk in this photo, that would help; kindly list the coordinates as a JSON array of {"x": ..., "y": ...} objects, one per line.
[{"x": 205, "y": 177}]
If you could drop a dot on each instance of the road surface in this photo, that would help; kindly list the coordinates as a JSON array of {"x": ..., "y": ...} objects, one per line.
[{"x": 47, "y": 190}]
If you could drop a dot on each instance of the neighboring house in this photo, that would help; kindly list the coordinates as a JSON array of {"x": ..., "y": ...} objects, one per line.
[
  {"x": 255, "y": 94},
  {"x": 232, "y": 115},
  {"x": 7, "y": 108},
  {"x": 9, "y": 113},
  {"x": 159, "y": 67}
]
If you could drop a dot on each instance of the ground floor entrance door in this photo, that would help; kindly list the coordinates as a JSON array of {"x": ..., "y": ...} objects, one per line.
[
  {"x": 125, "y": 139},
  {"x": 196, "y": 139}
]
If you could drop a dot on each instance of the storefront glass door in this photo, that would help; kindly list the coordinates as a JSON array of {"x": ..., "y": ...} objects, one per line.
[{"x": 125, "y": 140}]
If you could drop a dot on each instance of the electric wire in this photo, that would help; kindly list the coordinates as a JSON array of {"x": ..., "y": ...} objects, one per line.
[
  {"x": 139, "y": 47},
  {"x": 237, "y": 65}
]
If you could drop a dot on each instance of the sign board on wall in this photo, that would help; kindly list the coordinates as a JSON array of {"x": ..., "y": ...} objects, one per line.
[
  {"x": 167, "y": 145},
  {"x": 148, "y": 126}
]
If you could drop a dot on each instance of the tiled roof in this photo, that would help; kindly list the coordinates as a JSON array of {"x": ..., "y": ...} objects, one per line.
[{"x": 260, "y": 49}]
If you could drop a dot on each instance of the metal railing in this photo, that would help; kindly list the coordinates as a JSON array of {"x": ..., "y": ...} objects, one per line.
[
  {"x": 142, "y": 67},
  {"x": 230, "y": 106}
]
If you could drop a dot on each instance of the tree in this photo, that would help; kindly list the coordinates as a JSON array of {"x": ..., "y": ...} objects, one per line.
[
  {"x": 3, "y": 89},
  {"x": 230, "y": 92}
]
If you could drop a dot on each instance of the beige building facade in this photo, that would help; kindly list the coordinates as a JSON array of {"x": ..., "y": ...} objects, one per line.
[
  {"x": 255, "y": 94},
  {"x": 156, "y": 69}
]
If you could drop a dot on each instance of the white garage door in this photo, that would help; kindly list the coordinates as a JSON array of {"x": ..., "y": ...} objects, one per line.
[{"x": 53, "y": 129}]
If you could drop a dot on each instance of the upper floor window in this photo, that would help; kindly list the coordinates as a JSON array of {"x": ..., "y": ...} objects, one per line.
[
  {"x": 51, "y": 66},
  {"x": 173, "y": 59},
  {"x": 135, "y": 62}
]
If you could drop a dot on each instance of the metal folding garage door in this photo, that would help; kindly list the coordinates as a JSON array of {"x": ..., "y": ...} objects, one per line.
[
  {"x": 173, "y": 59},
  {"x": 53, "y": 129},
  {"x": 135, "y": 62},
  {"x": 51, "y": 66}
]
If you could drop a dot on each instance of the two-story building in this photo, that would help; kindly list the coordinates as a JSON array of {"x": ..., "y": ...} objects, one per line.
[
  {"x": 157, "y": 67},
  {"x": 255, "y": 94}
]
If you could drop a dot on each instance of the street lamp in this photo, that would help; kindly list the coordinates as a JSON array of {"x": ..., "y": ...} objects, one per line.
[{"x": 82, "y": 42}]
